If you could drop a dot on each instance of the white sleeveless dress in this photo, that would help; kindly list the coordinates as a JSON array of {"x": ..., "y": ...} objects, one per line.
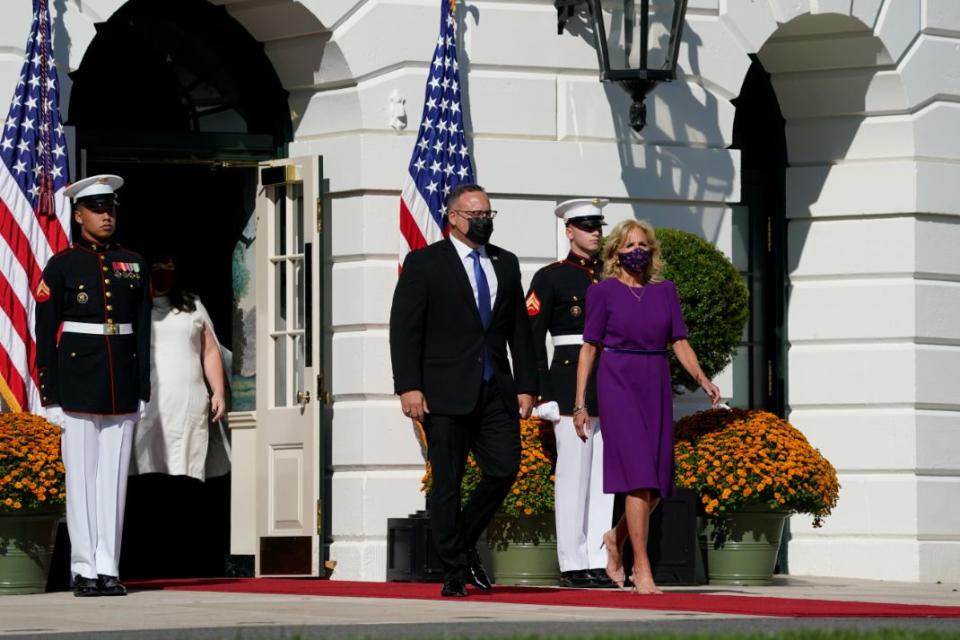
[{"x": 173, "y": 437}]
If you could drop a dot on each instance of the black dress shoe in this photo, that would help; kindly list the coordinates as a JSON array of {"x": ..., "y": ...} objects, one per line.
[
  {"x": 110, "y": 586},
  {"x": 577, "y": 579},
  {"x": 85, "y": 587},
  {"x": 453, "y": 588},
  {"x": 478, "y": 575},
  {"x": 600, "y": 577}
]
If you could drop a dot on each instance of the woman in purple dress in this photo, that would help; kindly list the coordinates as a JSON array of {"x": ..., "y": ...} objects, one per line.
[{"x": 633, "y": 315}]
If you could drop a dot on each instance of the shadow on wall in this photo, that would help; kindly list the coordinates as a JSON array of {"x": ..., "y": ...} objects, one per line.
[
  {"x": 61, "y": 50},
  {"x": 463, "y": 58},
  {"x": 680, "y": 156},
  {"x": 671, "y": 167}
]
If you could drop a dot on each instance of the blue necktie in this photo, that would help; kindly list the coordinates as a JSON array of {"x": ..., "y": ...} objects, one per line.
[{"x": 483, "y": 306}]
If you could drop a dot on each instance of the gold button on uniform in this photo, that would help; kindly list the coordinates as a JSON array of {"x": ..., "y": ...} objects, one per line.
[
  {"x": 108, "y": 294},
  {"x": 105, "y": 268},
  {"x": 109, "y": 308},
  {"x": 106, "y": 281}
]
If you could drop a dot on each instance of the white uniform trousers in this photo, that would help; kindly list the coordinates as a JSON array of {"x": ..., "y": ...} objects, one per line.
[
  {"x": 96, "y": 457},
  {"x": 583, "y": 511}
]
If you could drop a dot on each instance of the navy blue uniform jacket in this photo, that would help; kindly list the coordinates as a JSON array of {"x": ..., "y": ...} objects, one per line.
[{"x": 96, "y": 374}]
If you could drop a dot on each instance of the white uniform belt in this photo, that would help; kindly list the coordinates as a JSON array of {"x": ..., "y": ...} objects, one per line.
[
  {"x": 98, "y": 329},
  {"x": 564, "y": 341}
]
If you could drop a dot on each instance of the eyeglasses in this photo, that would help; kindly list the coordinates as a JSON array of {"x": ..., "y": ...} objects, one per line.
[{"x": 478, "y": 213}]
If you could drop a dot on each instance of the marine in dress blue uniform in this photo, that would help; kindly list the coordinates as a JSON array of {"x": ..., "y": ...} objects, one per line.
[
  {"x": 555, "y": 304},
  {"x": 93, "y": 359}
]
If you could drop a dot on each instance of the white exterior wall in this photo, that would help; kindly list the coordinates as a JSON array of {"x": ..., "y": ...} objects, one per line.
[{"x": 870, "y": 102}]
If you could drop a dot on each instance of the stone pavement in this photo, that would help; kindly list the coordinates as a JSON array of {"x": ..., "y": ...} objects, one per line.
[{"x": 191, "y": 615}]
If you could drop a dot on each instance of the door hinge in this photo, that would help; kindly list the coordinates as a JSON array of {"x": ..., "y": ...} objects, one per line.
[
  {"x": 319, "y": 215},
  {"x": 769, "y": 234},
  {"x": 319, "y": 516},
  {"x": 323, "y": 395}
]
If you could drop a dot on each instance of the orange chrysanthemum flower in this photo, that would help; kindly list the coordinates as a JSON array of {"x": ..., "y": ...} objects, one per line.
[
  {"x": 754, "y": 458},
  {"x": 532, "y": 491},
  {"x": 31, "y": 472}
]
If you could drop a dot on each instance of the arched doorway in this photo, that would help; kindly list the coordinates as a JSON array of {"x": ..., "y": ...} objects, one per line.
[
  {"x": 181, "y": 101},
  {"x": 761, "y": 222},
  {"x": 758, "y": 132}
]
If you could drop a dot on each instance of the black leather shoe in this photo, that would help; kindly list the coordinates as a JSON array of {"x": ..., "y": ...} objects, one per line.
[
  {"x": 577, "y": 579},
  {"x": 600, "y": 578},
  {"x": 110, "y": 586},
  {"x": 478, "y": 575},
  {"x": 454, "y": 588},
  {"x": 85, "y": 587}
]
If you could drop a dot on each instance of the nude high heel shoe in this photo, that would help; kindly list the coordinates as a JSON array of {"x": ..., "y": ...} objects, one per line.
[{"x": 617, "y": 575}]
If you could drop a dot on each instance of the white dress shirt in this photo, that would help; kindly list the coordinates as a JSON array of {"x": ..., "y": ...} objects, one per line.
[{"x": 464, "y": 252}]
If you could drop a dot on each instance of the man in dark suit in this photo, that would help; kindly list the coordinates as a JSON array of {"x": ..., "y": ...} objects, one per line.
[{"x": 458, "y": 304}]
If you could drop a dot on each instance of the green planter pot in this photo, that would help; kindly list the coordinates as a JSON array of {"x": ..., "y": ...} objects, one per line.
[
  {"x": 524, "y": 550},
  {"x": 26, "y": 547},
  {"x": 741, "y": 548}
]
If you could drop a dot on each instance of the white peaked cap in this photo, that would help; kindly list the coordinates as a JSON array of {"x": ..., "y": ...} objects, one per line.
[
  {"x": 94, "y": 186},
  {"x": 570, "y": 210}
]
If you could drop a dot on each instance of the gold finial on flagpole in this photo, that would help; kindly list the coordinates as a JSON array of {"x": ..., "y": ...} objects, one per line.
[{"x": 453, "y": 5}]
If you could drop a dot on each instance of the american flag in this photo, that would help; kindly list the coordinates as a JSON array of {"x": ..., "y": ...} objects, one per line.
[
  {"x": 34, "y": 213},
  {"x": 440, "y": 159}
]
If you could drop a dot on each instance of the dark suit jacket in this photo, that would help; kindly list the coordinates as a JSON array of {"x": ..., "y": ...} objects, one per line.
[{"x": 436, "y": 337}]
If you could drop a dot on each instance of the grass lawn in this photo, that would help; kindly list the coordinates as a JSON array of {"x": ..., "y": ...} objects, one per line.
[{"x": 813, "y": 634}]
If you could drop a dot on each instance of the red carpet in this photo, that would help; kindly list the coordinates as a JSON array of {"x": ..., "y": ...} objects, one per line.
[{"x": 670, "y": 601}]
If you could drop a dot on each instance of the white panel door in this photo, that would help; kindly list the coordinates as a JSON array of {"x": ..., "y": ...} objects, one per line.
[{"x": 289, "y": 395}]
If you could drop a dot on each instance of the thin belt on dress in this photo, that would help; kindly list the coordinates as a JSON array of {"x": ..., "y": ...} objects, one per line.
[{"x": 639, "y": 352}]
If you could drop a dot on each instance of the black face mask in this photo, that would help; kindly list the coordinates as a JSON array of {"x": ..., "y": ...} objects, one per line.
[{"x": 480, "y": 230}]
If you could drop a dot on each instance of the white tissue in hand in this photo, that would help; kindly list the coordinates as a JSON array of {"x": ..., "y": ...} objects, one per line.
[{"x": 547, "y": 411}]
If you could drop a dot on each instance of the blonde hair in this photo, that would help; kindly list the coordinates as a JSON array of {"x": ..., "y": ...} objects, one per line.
[{"x": 618, "y": 237}]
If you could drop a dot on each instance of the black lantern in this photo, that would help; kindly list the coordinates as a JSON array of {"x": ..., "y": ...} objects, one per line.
[{"x": 637, "y": 43}]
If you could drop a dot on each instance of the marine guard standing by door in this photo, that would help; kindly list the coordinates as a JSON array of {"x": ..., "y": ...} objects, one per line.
[
  {"x": 93, "y": 357},
  {"x": 555, "y": 303}
]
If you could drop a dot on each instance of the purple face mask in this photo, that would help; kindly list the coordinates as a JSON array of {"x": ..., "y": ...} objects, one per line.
[{"x": 636, "y": 260}]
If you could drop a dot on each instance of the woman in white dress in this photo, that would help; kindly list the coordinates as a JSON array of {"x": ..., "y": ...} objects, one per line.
[{"x": 173, "y": 436}]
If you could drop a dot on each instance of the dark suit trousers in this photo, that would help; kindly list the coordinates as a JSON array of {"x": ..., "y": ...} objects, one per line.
[{"x": 493, "y": 435}]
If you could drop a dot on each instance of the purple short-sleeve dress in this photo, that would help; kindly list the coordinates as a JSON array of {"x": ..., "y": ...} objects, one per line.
[{"x": 634, "y": 326}]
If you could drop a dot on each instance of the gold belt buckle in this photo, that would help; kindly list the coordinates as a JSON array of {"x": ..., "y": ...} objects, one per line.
[{"x": 111, "y": 329}]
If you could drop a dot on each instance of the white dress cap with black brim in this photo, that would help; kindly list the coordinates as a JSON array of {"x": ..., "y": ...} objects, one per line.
[
  {"x": 583, "y": 212},
  {"x": 102, "y": 185}
]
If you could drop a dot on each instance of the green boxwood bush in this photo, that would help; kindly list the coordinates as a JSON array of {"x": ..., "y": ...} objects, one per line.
[{"x": 713, "y": 297}]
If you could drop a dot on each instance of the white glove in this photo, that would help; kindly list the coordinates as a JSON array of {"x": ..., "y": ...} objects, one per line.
[
  {"x": 54, "y": 415},
  {"x": 549, "y": 411},
  {"x": 141, "y": 410}
]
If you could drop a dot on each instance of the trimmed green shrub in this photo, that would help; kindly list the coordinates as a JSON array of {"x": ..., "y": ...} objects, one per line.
[{"x": 713, "y": 297}]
